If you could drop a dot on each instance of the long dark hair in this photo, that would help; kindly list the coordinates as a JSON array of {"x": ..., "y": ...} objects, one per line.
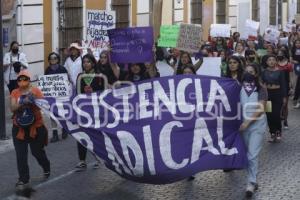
[
  {"x": 103, "y": 68},
  {"x": 130, "y": 75},
  {"x": 180, "y": 65},
  {"x": 257, "y": 81},
  {"x": 12, "y": 44},
  {"x": 57, "y": 56},
  {"x": 239, "y": 70},
  {"x": 91, "y": 58}
]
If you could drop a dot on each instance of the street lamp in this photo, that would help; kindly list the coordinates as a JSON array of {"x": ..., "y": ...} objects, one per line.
[{"x": 2, "y": 85}]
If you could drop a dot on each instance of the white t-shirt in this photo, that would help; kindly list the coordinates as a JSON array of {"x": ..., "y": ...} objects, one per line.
[
  {"x": 9, "y": 59},
  {"x": 74, "y": 68}
]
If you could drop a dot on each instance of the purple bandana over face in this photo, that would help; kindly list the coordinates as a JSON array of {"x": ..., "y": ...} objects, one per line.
[{"x": 249, "y": 87}]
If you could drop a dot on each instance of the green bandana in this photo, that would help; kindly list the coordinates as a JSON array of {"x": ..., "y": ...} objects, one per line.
[{"x": 89, "y": 79}]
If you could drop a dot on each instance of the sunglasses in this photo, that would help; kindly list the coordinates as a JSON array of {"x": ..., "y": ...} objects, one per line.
[{"x": 23, "y": 79}]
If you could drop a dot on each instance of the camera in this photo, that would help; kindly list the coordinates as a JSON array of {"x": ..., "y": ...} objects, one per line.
[{"x": 17, "y": 67}]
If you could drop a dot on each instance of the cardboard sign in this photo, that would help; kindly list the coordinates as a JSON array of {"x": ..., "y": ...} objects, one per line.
[
  {"x": 272, "y": 35},
  {"x": 251, "y": 28},
  {"x": 168, "y": 35},
  {"x": 56, "y": 85},
  {"x": 97, "y": 24},
  {"x": 131, "y": 45},
  {"x": 220, "y": 30},
  {"x": 190, "y": 36},
  {"x": 211, "y": 66}
]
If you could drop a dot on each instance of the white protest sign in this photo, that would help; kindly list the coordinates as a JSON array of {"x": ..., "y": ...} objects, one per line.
[
  {"x": 190, "y": 36},
  {"x": 211, "y": 66},
  {"x": 251, "y": 28},
  {"x": 220, "y": 30},
  {"x": 284, "y": 41},
  {"x": 97, "y": 24},
  {"x": 272, "y": 35},
  {"x": 164, "y": 69},
  {"x": 56, "y": 85},
  {"x": 289, "y": 28}
]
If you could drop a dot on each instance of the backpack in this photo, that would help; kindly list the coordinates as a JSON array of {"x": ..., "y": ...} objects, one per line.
[
  {"x": 297, "y": 69},
  {"x": 25, "y": 116}
]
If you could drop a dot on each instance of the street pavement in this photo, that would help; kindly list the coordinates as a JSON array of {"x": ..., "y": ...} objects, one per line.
[{"x": 279, "y": 176}]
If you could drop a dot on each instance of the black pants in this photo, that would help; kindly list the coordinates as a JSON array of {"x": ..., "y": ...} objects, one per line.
[
  {"x": 297, "y": 89},
  {"x": 274, "y": 118},
  {"x": 37, "y": 150},
  {"x": 13, "y": 84},
  {"x": 81, "y": 151}
]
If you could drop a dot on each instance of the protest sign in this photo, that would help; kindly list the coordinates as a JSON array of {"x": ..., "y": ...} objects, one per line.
[
  {"x": 131, "y": 45},
  {"x": 251, "y": 28},
  {"x": 190, "y": 36},
  {"x": 56, "y": 85},
  {"x": 220, "y": 30},
  {"x": 164, "y": 69},
  {"x": 211, "y": 66},
  {"x": 272, "y": 35},
  {"x": 161, "y": 130},
  {"x": 168, "y": 35},
  {"x": 289, "y": 28},
  {"x": 97, "y": 24}
]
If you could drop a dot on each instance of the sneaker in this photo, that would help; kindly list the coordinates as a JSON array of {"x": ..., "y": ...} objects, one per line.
[
  {"x": 81, "y": 166},
  {"x": 273, "y": 138},
  {"x": 285, "y": 125},
  {"x": 96, "y": 165},
  {"x": 278, "y": 136},
  {"x": 46, "y": 175},
  {"x": 297, "y": 105},
  {"x": 251, "y": 188},
  {"x": 20, "y": 185}
]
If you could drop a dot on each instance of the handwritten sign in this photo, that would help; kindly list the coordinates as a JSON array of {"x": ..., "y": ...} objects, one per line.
[
  {"x": 271, "y": 35},
  {"x": 168, "y": 35},
  {"x": 190, "y": 36},
  {"x": 56, "y": 85},
  {"x": 98, "y": 22},
  {"x": 220, "y": 30},
  {"x": 131, "y": 45},
  {"x": 251, "y": 28},
  {"x": 211, "y": 66}
]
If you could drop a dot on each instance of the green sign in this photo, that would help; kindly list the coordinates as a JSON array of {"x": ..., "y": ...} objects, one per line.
[{"x": 168, "y": 35}]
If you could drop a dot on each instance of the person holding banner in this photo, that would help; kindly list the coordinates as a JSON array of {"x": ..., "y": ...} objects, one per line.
[
  {"x": 55, "y": 68},
  {"x": 136, "y": 72},
  {"x": 151, "y": 71},
  {"x": 184, "y": 60},
  {"x": 235, "y": 68},
  {"x": 275, "y": 82},
  {"x": 111, "y": 70},
  {"x": 73, "y": 63},
  {"x": 87, "y": 84},
  {"x": 28, "y": 129},
  {"x": 253, "y": 97}
]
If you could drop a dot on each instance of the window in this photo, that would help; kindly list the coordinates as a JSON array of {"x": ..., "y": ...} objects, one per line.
[
  {"x": 196, "y": 11},
  {"x": 255, "y": 10},
  {"x": 178, "y": 11},
  {"x": 144, "y": 12},
  {"x": 273, "y": 12},
  {"x": 122, "y": 12},
  {"x": 221, "y": 12}
]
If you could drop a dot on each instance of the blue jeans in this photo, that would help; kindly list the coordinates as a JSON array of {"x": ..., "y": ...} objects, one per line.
[{"x": 254, "y": 141}]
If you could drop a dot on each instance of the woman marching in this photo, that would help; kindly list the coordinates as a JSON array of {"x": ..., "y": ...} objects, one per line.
[
  {"x": 87, "y": 82},
  {"x": 28, "y": 128},
  {"x": 253, "y": 100},
  {"x": 275, "y": 82}
]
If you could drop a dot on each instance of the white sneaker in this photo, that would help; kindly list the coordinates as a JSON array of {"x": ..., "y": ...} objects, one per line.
[
  {"x": 297, "y": 105},
  {"x": 251, "y": 188}
]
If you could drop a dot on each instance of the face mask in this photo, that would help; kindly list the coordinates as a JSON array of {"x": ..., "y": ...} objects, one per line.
[
  {"x": 251, "y": 59},
  {"x": 248, "y": 77},
  {"x": 15, "y": 51},
  {"x": 280, "y": 57}
]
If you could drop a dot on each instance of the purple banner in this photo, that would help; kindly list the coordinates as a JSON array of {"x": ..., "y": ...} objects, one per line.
[
  {"x": 161, "y": 130},
  {"x": 131, "y": 45}
]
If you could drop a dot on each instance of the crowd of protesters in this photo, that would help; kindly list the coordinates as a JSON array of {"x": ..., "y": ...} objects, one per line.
[{"x": 268, "y": 73}]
